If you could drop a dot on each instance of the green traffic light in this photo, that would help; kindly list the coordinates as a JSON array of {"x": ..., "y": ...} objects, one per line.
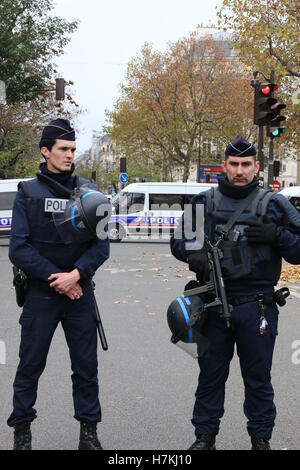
[{"x": 277, "y": 132}]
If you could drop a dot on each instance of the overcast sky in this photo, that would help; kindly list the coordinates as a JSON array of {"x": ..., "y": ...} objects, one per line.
[{"x": 110, "y": 33}]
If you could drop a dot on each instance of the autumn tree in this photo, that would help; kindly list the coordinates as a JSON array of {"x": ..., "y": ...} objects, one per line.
[
  {"x": 20, "y": 129},
  {"x": 30, "y": 38},
  {"x": 265, "y": 35},
  {"x": 171, "y": 101}
]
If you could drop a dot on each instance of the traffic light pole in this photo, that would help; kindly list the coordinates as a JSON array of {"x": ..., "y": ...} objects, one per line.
[
  {"x": 271, "y": 149},
  {"x": 271, "y": 163},
  {"x": 260, "y": 151}
]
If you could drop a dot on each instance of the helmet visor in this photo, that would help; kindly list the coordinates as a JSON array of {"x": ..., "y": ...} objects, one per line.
[
  {"x": 70, "y": 226},
  {"x": 186, "y": 317},
  {"x": 195, "y": 350}
]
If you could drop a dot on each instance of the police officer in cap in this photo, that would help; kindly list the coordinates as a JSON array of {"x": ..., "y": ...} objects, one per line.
[
  {"x": 266, "y": 231},
  {"x": 60, "y": 289}
]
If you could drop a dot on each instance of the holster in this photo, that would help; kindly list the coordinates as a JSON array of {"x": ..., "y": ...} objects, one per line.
[{"x": 21, "y": 286}]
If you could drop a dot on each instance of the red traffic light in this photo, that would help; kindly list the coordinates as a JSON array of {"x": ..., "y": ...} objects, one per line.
[{"x": 268, "y": 88}]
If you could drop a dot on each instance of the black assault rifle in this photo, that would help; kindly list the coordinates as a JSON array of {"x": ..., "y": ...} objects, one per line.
[{"x": 215, "y": 285}]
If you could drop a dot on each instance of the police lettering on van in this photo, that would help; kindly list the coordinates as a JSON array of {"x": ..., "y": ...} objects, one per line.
[
  {"x": 8, "y": 191},
  {"x": 151, "y": 209}
]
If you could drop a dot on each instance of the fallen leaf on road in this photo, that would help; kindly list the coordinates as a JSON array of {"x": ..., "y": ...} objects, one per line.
[{"x": 290, "y": 274}]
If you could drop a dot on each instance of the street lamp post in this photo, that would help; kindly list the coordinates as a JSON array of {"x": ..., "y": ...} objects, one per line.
[
  {"x": 199, "y": 151},
  {"x": 2, "y": 93},
  {"x": 207, "y": 120}
]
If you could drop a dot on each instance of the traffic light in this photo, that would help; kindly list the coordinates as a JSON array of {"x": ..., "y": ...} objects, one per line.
[
  {"x": 123, "y": 166},
  {"x": 263, "y": 103},
  {"x": 276, "y": 131},
  {"x": 276, "y": 168},
  {"x": 60, "y": 89}
]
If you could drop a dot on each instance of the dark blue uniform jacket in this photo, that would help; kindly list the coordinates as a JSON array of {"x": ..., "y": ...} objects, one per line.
[
  {"x": 265, "y": 271},
  {"x": 35, "y": 245}
]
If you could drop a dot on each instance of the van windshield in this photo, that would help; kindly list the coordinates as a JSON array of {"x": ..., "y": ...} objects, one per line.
[{"x": 7, "y": 200}]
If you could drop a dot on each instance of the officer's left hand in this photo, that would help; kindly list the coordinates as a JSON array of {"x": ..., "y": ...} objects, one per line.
[
  {"x": 265, "y": 232},
  {"x": 64, "y": 282}
]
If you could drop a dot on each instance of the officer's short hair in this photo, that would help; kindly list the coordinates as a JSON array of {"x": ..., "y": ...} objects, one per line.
[{"x": 48, "y": 143}]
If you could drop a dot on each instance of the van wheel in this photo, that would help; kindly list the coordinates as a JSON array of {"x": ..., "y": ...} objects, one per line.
[{"x": 115, "y": 233}]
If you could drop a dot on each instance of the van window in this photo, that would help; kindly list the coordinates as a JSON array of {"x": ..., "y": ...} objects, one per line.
[
  {"x": 164, "y": 202},
  {"x": 296, "y": 202},
  {"x": 7, "y": 200},
  {"x": 130, "y": 203}
]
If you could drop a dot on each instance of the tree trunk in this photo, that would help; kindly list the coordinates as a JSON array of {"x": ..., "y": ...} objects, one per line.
[{"x": 186, "y": 169}]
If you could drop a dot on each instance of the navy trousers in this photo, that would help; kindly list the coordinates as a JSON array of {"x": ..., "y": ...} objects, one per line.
[
  {"x": 41, "y": 314},
  {"x": 255, "y": 353}
]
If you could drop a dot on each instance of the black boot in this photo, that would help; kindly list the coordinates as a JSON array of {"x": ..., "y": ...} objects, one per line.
[
  {"x": 22, "y": 437},
  {"x": 260, "y": 443},
  {"x": 204, "y": 442},
  {"x": 88, "y": 437}
]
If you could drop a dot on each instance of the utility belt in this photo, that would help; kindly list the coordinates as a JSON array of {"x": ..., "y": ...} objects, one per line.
[
  {"x": 40, "y": 285},
  {"x": 22, "y": 284},
  {"x": 278, "y": 297}
]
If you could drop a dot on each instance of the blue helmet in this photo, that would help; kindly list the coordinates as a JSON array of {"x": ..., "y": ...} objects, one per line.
[
  {"x": 80, "y": 219},
  {"x": 179, "y": 315}
]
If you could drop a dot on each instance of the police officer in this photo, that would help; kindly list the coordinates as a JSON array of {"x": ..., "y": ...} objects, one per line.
[
  {"x": 266, "y": 231},
  {"x": 60, "y": 289}
]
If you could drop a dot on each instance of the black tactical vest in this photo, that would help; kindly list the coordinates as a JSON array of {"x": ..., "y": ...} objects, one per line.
[
  {"x": 43, "y": 197},
  {"x": 241, "y": 261}
]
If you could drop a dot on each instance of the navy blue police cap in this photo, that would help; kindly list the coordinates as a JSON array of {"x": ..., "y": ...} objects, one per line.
[
  {"x": 240, "y": 147},
  {"x": 58, "y": 129}
]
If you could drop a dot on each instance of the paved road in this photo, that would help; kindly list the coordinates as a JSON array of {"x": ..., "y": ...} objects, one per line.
[{"x": 147, "y": 385}]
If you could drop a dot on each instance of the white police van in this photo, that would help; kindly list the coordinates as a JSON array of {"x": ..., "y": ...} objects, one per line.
[
  {"x": 8, "y": 191},
  {"x": 147, "y": 209},
  {"x": 292, "y": 193}
]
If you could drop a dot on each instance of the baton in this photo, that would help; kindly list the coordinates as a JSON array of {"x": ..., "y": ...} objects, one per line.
[{"x": 99, "y": 323}]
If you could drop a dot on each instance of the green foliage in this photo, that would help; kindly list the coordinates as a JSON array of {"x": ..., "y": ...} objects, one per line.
[{"x": 29, "y": 41}]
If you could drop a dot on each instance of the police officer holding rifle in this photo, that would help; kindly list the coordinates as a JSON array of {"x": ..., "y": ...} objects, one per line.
[
  {"x": 248, "y": 230},
  {"x": 56, "y": 251}
]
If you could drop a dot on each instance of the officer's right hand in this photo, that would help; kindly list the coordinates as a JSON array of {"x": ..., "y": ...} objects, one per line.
[
  {"x": 75, "y": 293},
  {"x": 198, "y": 263}
]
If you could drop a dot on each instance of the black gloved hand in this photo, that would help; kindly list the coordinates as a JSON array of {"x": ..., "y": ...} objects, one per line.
[
  {"x": 265, "y": 232},
  {"x": 198, "y": 263}
]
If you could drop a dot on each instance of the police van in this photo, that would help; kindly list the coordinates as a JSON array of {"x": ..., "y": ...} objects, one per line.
[
  {"x": 150, "y": 209},
  {"x": 292, "y": 193},
  {"x": 8, "y": 191}
]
